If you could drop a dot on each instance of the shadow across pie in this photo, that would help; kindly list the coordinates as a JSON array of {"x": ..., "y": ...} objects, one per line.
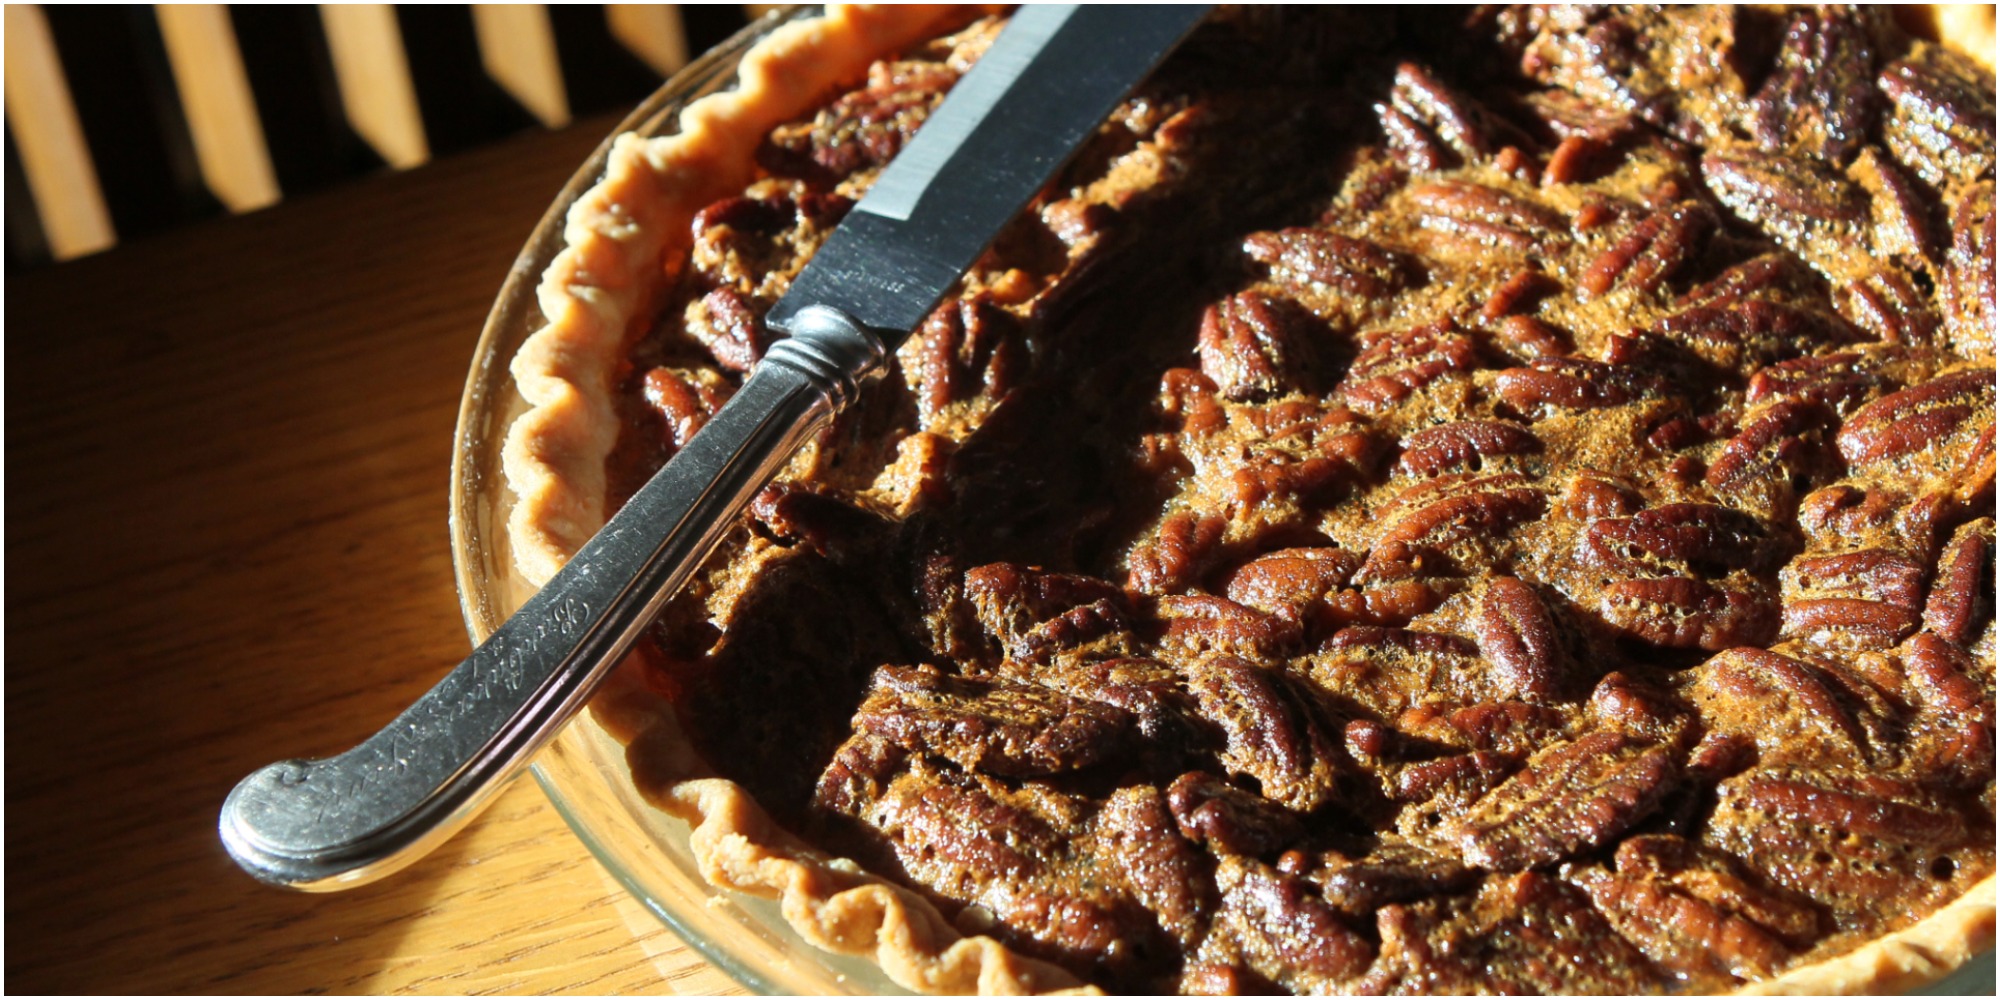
[{"x": 1498, "y": 502}]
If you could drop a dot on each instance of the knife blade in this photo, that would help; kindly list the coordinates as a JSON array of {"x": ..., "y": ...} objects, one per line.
[{"x": 1043, "y": 86}]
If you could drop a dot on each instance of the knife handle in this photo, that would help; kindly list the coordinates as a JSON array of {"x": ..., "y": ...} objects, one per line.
[{"x": 322, "y": 825}]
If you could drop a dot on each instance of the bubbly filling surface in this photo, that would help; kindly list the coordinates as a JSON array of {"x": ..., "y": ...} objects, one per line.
[{"x": 1423, "y": 506}]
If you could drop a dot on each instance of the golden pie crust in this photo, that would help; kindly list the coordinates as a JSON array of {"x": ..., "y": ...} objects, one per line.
[{"x": 624, "y": 237}]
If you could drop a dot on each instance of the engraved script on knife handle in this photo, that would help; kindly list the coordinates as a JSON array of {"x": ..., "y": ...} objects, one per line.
[{"x": 339, "y": 822}]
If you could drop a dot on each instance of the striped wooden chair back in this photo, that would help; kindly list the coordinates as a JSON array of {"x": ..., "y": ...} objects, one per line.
[{"x": 130, "y": 120}]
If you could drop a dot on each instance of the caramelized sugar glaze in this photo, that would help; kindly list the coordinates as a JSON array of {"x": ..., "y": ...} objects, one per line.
[{"x": 1500, "y": 503}]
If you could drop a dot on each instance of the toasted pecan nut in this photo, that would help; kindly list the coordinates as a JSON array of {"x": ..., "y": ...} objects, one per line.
[
  {"x": 1680, "y": 612},
  {"x": 1877, "y": 574},
  {"x": 1706, "y": 537},
  {"x": 1395, "y": 363},
  {"x": 966, "y": 348},
  {"x": 1689, "y": 909},
  {"x": 1784, "y": 705},
  {"x": 1953, "y": 724},
  {"x": 1464, "y": 446},
  {"x": 1786, "y": 440},
  {"x": 1390, "y": 874},
  {"x": 863, "y": 128},
  {"x": 1651, "y": 251},
  {"x": 686, "y": 398},
  {"x": 1476, "y": 218},
  {"x": 1570, "y": 798},
  {"x": 730, "y": 328},
  {"x": 1819, "y": 99},
  {"x": 1916, "y": 419},
  {"x": 1024, "y": 608},
  {"x": 1284, "y": 930},
  {"x": 1845, "y": 841},
  {"x": 1804, "y": 204},
  {"x": 1517, "y": 637},
  {"x": 1941, "y": 116},
  {"x": 1253, "y": 346},
  {"x": 1572, "y": 384},
  {"x": 1163, "y": 871},
  {"x": 1298, "y": 584},
  {"x": 1174, "y": 557},
  {"x": 1308, "y": 258},
  {"x": 1228, "y": 819},
  {"x": 1271, "y": 738},
  {"x": 999, "y": 728},
  {"x": 1961, "y": 595}
]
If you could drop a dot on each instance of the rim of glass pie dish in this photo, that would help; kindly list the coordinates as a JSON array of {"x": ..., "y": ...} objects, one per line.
[{"x": 583, "y": 771}]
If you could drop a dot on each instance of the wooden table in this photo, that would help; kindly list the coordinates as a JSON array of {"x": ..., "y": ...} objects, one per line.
[{"x": 228, "y": 452}]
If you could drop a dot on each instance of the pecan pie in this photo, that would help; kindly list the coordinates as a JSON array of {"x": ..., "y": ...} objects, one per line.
[{"x": 1497, "y": 501}]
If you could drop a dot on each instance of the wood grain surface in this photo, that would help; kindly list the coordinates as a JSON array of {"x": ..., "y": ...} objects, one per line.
[{"x": 228, "y": 452}]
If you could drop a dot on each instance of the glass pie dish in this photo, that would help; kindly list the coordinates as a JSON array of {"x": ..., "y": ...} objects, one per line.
[{"x": 585, "y": 772}]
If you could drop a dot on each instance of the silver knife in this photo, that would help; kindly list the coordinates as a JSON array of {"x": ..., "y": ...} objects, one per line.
[{"x": 1043, "y": 86}]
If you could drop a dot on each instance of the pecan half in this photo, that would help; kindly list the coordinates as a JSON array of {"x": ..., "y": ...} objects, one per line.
[
  {"x": 1684, "y": 613},
  {"x": 1570, "y": 798},
  {"x": 1916, "y": 419},
  {"x": 966, "y": 348},
  {"x": 862, "y": 129},
  {"x": 1228, "y": 819},
  {"x": 1651, "y": 251},
  {"x": 1704, "y": 537},
  {"x": 1961, "y": 595},
  {"x": 1395, "y": 363},
  {"x": 1447, "y": 510},
  {"x": 1746, "y": 333},
  {"x": 1176, "y": 555},
  {"x": 1136, "y": 833},
  {"x": 1529, "y": 934},
  {"x": 1478, "y": 218},
  {"x": 1786, "y": 441},
  {"x": 1689, "y": 910},
  {"x": 1797, "y": 201},
  {"x": 1307, "y": 259},
  {"x": 1029, "y": 610},
  {"x": 1464, "y": 446},
  {"x": 998, "y": 728},
  {"x": 1849, "y": 842},
  {"x": 1840, "y": 381},
  {"x": 1297, "y": 584},
  {"x": 1941, "y": 115},
  {"x": 1197, "y": 624},
  {"x": 1516, "y": 636},
  {"x": 1820, "y": 99},
  {"x": 1271, "y": 738},
  {"x": 1392, "y": 873},
  {"x": 685, "y": 398},
  {"x": 1788, "y": 708},
  {"x": 730, "y": 328},
  {"x": 1283, "y": 930},
  {"x": 1572, "y": 384},
  {"x": 1253, "y": 346}
]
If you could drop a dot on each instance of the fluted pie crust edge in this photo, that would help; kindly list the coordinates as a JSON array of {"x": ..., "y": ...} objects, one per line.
[{"x": 625, "y": 237}]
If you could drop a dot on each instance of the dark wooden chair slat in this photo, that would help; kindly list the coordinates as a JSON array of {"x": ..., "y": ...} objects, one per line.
[
  {"x": 26, "y": 245},
  {"x": 460, "y": 104},
  {"x": 138, "y": 138},
  {"x": 709, "y": 25},
  {"x": 598, "y": 73},
  {"x": 291, "y": 77}
]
